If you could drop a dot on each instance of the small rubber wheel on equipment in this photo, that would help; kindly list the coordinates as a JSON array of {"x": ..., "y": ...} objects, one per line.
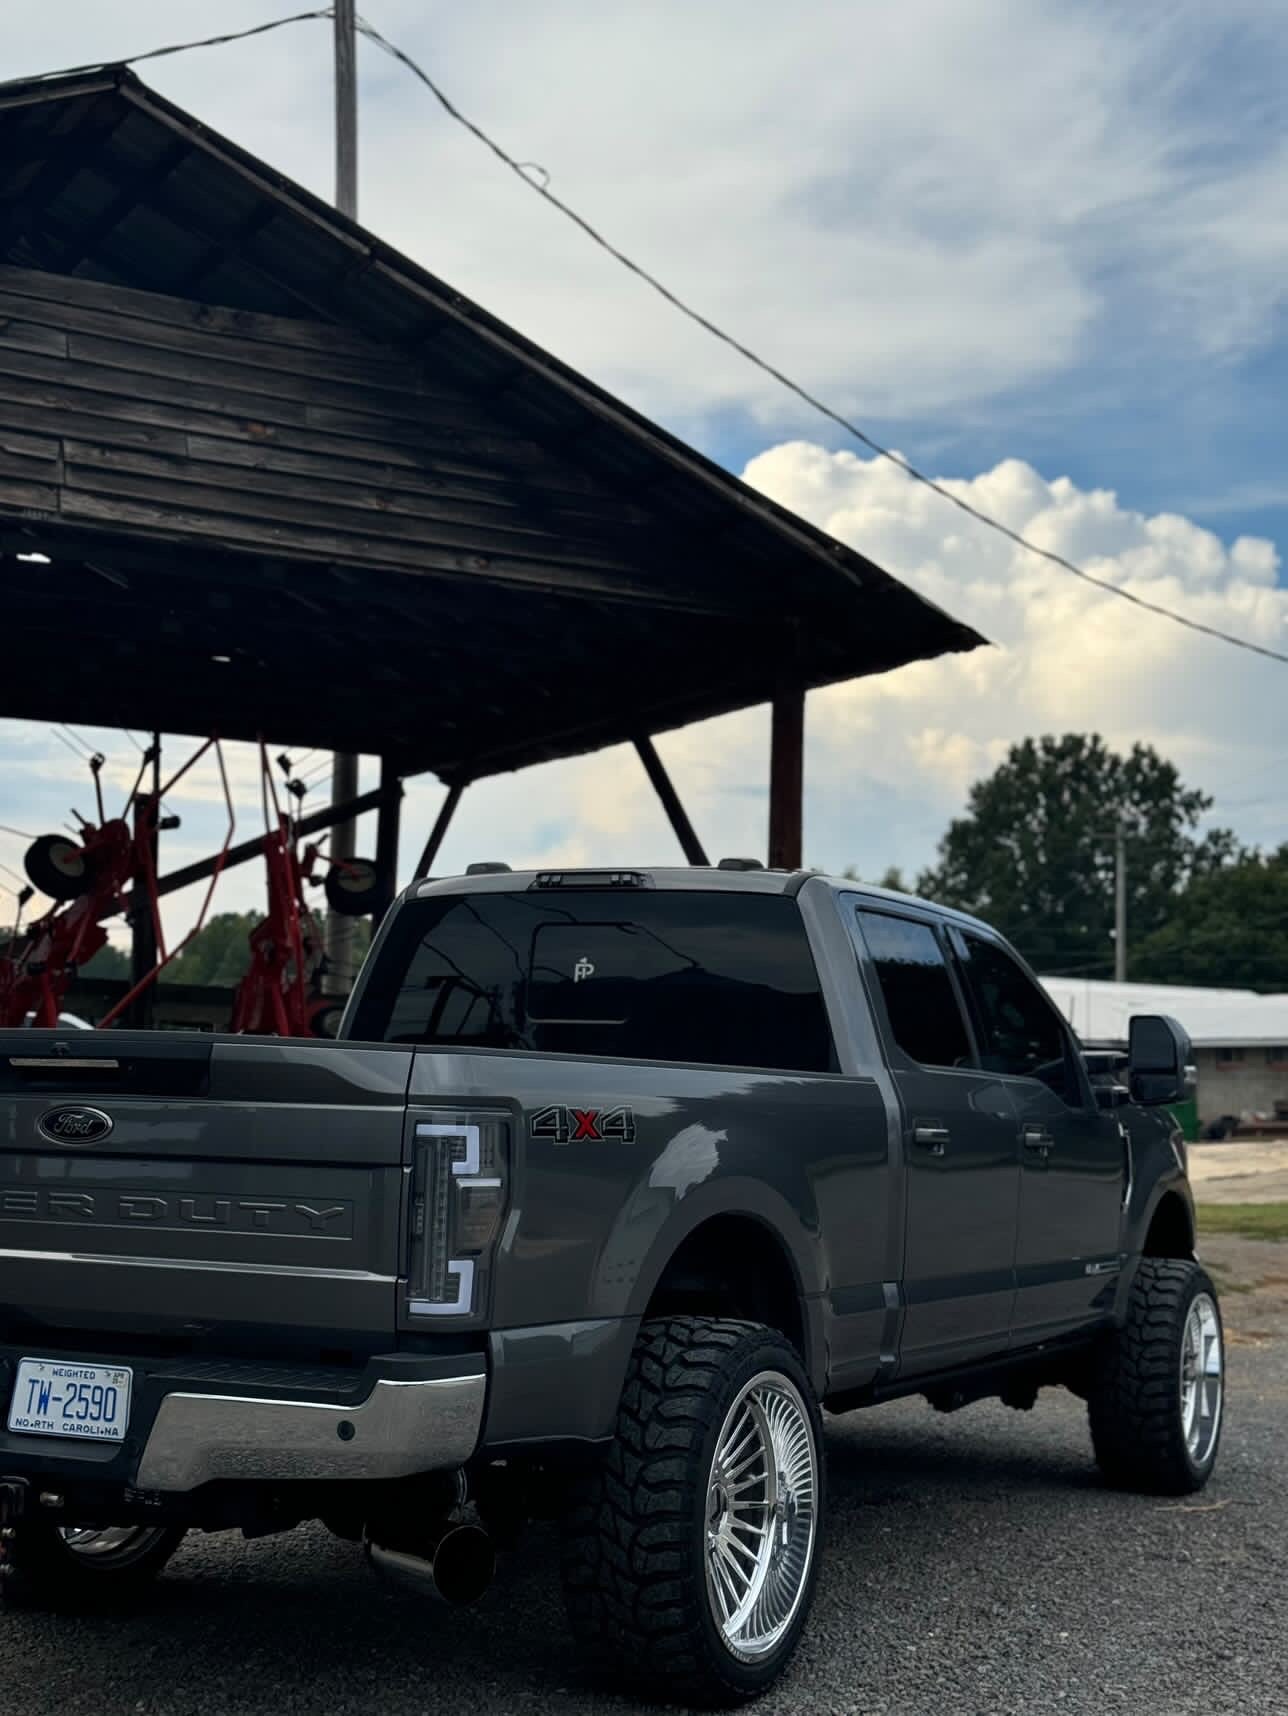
[
  {"x": 325, "y": 1016},
  {"x": 351, "y": 887},
  {"x": 57, "y": 867},
  {"x": 71, "y": 1567},
  {"x": 1157, "y": 1395},
  {"x": 691, "y": 1551}
]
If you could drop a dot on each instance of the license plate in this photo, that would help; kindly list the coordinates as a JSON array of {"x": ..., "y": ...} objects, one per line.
[{"x": 88, "y": 1401}]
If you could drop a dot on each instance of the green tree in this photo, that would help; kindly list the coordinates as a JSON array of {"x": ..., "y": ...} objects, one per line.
[
  {"x": 892, "y": 878},
  {"x": 108, "y": 962},
  {"x": 220, "y": 952},
  {"x": 1034, "y": 853},
  {"x": 1228, "y": 929}
]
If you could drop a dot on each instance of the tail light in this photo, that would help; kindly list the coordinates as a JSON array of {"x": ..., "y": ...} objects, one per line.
[{"x": 459, "y": 1169}]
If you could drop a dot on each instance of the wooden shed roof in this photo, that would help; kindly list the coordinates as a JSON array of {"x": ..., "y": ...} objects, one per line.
[{"x": 635, "y": 585}]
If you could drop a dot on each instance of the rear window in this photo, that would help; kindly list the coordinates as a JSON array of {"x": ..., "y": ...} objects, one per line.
[{"x": 651, "y": 975}]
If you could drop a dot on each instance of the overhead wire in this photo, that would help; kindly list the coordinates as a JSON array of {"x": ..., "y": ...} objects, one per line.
[
  {"x": 203, "y": 42},
  {"x": 542, "y": 189},
  {"x": 79, "y": 740},
  {"x": 78, "y": 754}
]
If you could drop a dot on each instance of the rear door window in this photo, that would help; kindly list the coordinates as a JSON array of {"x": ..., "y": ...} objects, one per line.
[
  {"x": 649, "y": 974},
  {"x": 921, "y": 1003}
]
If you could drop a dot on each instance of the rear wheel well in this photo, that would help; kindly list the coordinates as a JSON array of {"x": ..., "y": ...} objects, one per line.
[
  {"x": 1171, "y": 1232},
  {"x": 732, "y": 1266}
]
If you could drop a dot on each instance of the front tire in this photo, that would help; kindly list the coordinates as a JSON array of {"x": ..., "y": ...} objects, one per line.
[
  {"x": 1157, "y": 1397},
  {"x": 691, "y": 1552},
  {"x": 46, "y": 1566}
]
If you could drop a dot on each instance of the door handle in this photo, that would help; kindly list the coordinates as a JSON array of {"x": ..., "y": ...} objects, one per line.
[
  {"x": 932, "y": 1138},
  {"x": 1038, "y": 1138}
]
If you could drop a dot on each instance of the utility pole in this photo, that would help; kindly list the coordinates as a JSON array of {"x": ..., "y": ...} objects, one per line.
[
  {"x": 1120, "y": 904},
  {"x": 344, "y": 771}
]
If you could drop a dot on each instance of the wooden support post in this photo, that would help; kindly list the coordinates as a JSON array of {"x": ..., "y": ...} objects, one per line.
[
  {"x": 664, "y": 787},
  {"x": 143, "y": 934},
  {"x": 439, "y": 829},
  {"x": 787, "y": 780},
  {"x": 143, "y": 937},
  {"x": 387, "y": 822},
  {"x": 344, "y": 771}
]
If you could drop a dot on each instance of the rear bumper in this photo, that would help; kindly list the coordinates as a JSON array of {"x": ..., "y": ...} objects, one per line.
[{"x": 252, "y": 1423}]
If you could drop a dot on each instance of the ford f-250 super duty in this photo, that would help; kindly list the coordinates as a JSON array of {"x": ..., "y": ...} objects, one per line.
[{"x": 612, "y": 1182}]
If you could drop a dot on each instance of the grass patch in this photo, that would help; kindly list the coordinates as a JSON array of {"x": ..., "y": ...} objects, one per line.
[{"x": 1250, "y": 1221}]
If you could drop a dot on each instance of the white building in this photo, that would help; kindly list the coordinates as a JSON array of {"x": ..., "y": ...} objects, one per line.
[{"x": 1240, "y": 1038}]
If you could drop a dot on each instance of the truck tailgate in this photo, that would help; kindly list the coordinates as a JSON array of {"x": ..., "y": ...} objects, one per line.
[{"x": 194, "y": 1189}]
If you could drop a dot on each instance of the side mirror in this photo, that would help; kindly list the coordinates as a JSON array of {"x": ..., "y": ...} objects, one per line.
[{"x": 1158, "y": 1060}]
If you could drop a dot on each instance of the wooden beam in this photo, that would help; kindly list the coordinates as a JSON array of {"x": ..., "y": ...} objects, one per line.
[
  {"x": 787, "y": 780},
  {"x": 85, "y": 138},
  {"x": 314, "y": 824},
  {"x": 126, "y": 200},
  {"x": 436, "y": 833},
  {"x": 664, "y": 787},
  {"x": 215, "y": 255}
]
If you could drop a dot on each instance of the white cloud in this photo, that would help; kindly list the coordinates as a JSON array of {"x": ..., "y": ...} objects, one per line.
[{"x": 1068, "y": 656}]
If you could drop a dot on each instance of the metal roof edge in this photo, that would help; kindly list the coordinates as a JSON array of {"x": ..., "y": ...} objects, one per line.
[{"x": 62, "y": 85}]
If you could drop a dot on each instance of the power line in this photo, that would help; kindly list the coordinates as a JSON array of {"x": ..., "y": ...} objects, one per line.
[
  {"x": 522, "y": 170},
  {"x": 79, "y": 740},
  {"x": 79, "y": 755},
  {"x": 205, "y": 42}
]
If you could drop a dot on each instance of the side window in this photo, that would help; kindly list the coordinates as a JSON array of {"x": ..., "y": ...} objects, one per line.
[
  {"x": 1020, "y": 1031},
  {"x": 920, "y": 1001}
]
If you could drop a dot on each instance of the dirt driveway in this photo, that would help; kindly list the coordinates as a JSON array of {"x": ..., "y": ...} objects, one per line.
[{"x": 1254, "y": 1172}]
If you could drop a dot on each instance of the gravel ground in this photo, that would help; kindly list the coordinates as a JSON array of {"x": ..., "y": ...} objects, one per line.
[{"x": 974, "y": 1565}]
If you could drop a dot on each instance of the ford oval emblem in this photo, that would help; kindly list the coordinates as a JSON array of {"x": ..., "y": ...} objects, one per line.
[{"x": 75, "y": 1125}]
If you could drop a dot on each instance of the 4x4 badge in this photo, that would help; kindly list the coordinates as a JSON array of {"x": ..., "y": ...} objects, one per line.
[
  {"x": 563, "y": 1124},
  {"x": 75, "y": 1125}
]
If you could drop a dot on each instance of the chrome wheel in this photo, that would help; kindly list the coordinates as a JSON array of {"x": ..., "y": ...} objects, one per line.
[
  {"x": 761, "y": 1517},
  {"x": 112, "y": 1546},
  {"x": 1202, "y": 1378}
]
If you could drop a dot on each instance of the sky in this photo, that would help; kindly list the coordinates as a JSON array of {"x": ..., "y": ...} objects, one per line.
[{"x": 1042, "y": 250}]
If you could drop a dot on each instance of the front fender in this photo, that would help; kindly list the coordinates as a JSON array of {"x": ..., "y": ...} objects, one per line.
[{"x": 1158, "y": 1171}]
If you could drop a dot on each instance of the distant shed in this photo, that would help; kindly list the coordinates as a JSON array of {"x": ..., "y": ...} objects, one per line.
[{"x": 1240, "y": 1038}]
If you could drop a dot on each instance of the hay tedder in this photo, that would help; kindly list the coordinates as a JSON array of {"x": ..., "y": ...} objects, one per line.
[
  {"x": 282, "y": 992},
  {"x": 109, "y": 869}
]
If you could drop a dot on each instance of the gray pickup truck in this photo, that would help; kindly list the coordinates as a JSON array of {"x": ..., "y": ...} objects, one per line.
[{"x": 612, "y": 1183}]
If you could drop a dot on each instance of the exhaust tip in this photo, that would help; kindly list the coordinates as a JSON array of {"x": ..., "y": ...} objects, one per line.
[
  {"x": 464, "y": 1564},
  {"x": 457, "y": 1566}
]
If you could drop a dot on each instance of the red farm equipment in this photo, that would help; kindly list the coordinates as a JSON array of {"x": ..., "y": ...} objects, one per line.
[
  {"x": 281, "y": 994},
  {"x": 110, "y": 869}
]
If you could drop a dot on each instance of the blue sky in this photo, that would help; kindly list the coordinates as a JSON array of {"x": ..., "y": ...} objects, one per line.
[{"x": 1041, "y": 249}]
